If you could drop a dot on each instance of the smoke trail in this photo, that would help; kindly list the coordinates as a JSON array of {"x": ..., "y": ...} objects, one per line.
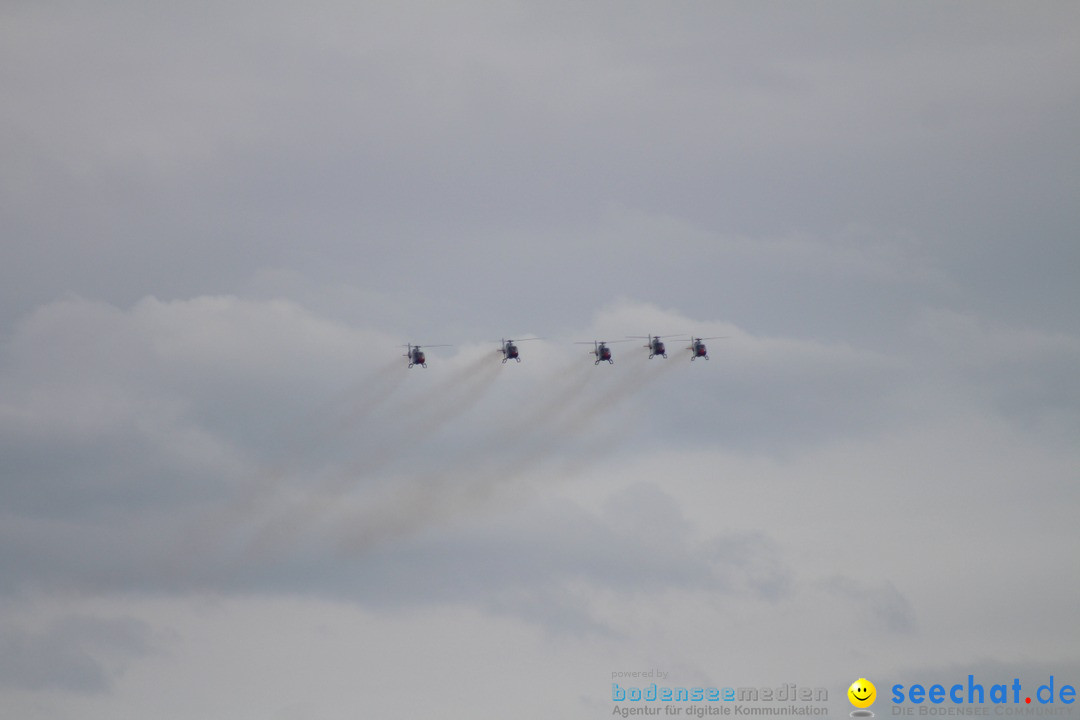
[
  {"x": 422, "y": 416},
  {"x": 575, "y": 398},
  {"x": 618, "y": 423},
  {"x": 363, "y": 399},
  {"x": 258, "y": 496},
  {"x": 643, "y": 373},
  {"x": 559, "y": 428},
  {"x": 453, "y": 397},
  {"x": 414, "y": 501},
  {"x": 569, "y": 418},
  {"x": 520, "y": 446},
  {"x": 414, "y": 420},
  {"x": 324, "y": 427},
  {"x": 569, "y": 384}
]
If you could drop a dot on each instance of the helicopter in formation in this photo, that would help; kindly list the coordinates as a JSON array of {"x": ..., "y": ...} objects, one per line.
[
  {"x": 697, "y": 347},
  {"x": 416, "y": 355},
  {"x": 655, "y": 346},
  {"x": 510, "y": 350},
  {"x": 601, "y": 350}
]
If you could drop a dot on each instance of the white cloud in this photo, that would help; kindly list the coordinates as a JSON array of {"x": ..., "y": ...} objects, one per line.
[
  {"x": 553, "y": 492},
  {"x": 220, "y": 226}
]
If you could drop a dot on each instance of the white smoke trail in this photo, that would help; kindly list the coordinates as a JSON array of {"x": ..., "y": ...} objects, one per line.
[
  {"x": 357, "y": 505},
  {"x": 298, "y": 513},
  {"x": 520, "y": 445},
  {"x": 229, "y": 528}
]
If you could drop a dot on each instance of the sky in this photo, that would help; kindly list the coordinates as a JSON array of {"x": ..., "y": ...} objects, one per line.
[{"x": 223, "y": 493}]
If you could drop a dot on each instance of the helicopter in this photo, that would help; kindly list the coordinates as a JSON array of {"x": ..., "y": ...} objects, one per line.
[
  {"x": 656, "y": 347},
  {"x": 416, "y": 355},
  {"x": 697, "y": 347},
  {"x": 601, "y": 350},
  {"x": 510, "y": 350}
]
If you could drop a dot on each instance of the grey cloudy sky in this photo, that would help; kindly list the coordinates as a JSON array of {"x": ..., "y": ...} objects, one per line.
[{"x": 223, "y": 495}]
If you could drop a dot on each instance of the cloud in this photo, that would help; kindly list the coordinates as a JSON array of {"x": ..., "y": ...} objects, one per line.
[
  {"x": 408, "y": 152},
  {"x": 75, "y": 654},
  {"x": 882, "y": 607},
  {"x": 258, "y": 434},
  {"x": 219, "y": 228},
  {"x": 1022, "y": 373},
  {"x": 209, "y": 444}
]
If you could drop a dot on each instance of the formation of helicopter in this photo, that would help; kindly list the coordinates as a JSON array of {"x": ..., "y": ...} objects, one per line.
[{"x": 601, "y": 351}]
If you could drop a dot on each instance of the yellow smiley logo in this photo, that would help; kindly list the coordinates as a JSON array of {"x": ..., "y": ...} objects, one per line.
[{"x": 862, "y": 693}]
